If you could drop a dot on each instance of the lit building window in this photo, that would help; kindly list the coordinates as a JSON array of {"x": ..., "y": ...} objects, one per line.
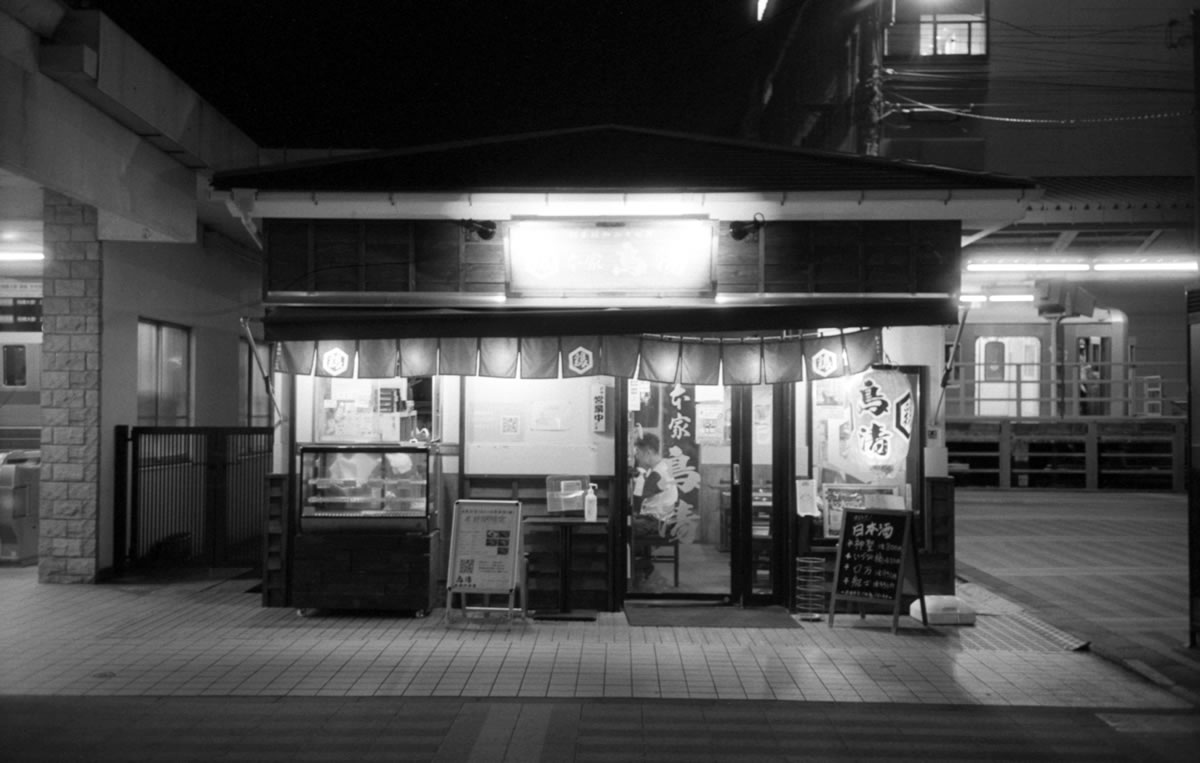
[
  {"x": 953, "y": 34},
  {"x": 934, "y": 28}
]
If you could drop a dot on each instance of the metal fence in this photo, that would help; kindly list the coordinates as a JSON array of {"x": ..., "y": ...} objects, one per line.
[
  {"x": 191, "y": 496},
  {"x": 1058, "y": 390}
]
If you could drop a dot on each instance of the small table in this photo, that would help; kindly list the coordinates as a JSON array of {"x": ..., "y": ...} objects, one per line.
[{"x": 566, "y": 528}]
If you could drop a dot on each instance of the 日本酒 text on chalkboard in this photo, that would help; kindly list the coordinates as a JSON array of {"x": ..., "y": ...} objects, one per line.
[{"x": 871, "y": 562}]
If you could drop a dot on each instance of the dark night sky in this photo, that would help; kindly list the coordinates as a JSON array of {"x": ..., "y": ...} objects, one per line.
[{"x": 384, "y": 73}]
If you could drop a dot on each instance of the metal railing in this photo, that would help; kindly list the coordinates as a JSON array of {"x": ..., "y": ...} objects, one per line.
[
  {"x": 1044, "y": 390},
  {"x": 191, "y": 496},
  {"x": 1087, "y": 426}
]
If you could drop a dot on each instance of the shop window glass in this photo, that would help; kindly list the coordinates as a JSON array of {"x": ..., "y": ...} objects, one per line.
[
  {"x": 164, "y": 374},
  {"x": 369, "y": 410},
  {"x": 254, "y": 404}
]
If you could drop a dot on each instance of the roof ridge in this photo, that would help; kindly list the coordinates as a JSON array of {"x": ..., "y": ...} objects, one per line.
[{"x": 685, "y": 160}]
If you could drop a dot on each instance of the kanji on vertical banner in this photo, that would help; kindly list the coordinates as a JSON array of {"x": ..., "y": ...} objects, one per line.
[{"x": 683, "y": 454}]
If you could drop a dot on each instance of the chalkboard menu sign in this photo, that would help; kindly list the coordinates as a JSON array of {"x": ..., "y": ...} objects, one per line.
[{"x": 876, "y": 551}]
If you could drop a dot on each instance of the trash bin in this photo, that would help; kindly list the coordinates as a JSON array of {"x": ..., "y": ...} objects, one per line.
[{"x": 19, "y": 482}]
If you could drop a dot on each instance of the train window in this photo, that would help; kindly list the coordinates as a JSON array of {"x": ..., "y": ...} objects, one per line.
[
  {"x": 15, "y": 370},
  {"x": 993, "y": 361}
]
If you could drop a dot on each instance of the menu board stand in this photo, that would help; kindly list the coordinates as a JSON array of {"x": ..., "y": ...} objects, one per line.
[
  {"x": 876, "y": 553},
  {"x": 485, "y": 546}
]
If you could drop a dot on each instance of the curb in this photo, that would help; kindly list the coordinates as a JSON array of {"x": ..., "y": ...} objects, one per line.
[{"x": 1102, "y": 642}]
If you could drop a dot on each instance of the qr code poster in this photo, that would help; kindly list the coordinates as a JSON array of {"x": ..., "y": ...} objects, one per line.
[{"x": 484, "y": 541}]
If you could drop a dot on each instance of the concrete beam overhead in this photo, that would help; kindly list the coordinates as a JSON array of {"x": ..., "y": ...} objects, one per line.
[{"x": 52, "y": 137}]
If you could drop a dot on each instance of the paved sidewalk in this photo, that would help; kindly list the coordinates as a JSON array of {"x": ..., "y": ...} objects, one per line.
[
  {"x": 200, "y": 670},
  {"x": 211, "y": 638},
  {"x": 1109, "y": 567}
]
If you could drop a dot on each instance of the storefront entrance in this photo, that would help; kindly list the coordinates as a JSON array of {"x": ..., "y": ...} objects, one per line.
[{"x": 722, "y": 538}]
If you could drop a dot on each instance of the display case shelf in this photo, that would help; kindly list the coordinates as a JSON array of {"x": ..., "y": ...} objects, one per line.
[
  {"x": 360, "y": 486},
  {"x": 365, "y": 535}
]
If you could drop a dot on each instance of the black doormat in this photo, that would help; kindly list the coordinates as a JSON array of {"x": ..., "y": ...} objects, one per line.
[{"x": 707, "y": 616}]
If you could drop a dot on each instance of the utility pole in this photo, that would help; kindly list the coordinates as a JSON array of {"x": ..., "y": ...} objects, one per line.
[
  {"x": 1195, "y": 16},
  {"x": 1190, "y": 464},
  {"x": 869, "y": 98}
]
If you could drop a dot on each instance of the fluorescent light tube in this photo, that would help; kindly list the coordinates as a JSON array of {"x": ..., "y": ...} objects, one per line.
[
  {"x": 1012, "y": 267},
  {"x": 1147, "y": 267}
]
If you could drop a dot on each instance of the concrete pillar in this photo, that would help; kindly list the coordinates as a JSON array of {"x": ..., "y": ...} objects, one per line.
[{"x": 70, "y": 478}]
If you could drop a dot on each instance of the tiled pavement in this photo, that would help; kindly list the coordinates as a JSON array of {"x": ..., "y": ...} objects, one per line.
[
  {"x": 211, "y": 638},
  {"x": 200, "y": 671}
]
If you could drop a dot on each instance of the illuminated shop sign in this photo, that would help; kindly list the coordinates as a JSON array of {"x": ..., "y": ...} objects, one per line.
[{"x": 615, "y": 258}]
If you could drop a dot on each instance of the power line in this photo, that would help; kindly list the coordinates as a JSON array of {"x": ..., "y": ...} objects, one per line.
[
  {"x": 1077, "y": 36},
  {"x": 1074, "y": 122}
]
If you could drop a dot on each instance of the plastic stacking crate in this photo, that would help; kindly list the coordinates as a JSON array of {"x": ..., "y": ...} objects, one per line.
[{"x": 565, "y": 492}]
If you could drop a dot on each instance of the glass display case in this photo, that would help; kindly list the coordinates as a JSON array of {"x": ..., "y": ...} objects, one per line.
[
  {"x": 362, "y": 486},
  {"x": 366, "y": 536}
]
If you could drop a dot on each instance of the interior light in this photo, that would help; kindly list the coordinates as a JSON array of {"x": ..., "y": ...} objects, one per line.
[
  {"x": 9, "y": 235},
  {"x": 21, "y": 256},
  {"x": 1190, "y": 267},
  {"x": 1014, "y": 267},
  {"x": 973, "y": 299},
  {"x": 1010, "y": 298}
]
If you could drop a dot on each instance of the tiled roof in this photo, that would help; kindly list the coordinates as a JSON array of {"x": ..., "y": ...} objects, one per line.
[
  {"x": 606, "y": 159},
  {"x": 1159, "y": 192}
]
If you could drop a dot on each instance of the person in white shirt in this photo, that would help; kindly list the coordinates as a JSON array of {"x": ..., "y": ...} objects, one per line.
[{"x": 655, "y": 499}]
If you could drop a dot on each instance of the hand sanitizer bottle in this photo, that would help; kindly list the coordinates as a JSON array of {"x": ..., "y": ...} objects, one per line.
[{"x": 589, "y": 503}]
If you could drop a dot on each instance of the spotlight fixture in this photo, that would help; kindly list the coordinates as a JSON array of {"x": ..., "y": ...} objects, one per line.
[
  {"x": 484, "y": 230},
  {"x": 740, "y": 230}
]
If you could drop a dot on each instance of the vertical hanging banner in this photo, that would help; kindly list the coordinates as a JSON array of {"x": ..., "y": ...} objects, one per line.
[
  {"x": 377, "y": 358},
  {"x": 599, "y": 408},
  {"x": 295, "y": 357},
  {"x": 335, "y": 357},
  {"x": 683, "y": 454},
  {"x": 580, "y": 355},
  {"x": 498, "y": 357},
  {"x": 418, "y": 357}
]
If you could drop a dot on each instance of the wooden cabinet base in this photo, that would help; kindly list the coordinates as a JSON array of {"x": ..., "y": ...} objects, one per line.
[{"x": 364, "y": 571}]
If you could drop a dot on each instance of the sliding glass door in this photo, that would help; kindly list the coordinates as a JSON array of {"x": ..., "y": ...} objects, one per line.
[{"x": 720, "y": 535}]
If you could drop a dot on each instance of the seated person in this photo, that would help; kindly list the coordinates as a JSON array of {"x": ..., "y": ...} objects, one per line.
[{"x": 655, "y": 497}]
